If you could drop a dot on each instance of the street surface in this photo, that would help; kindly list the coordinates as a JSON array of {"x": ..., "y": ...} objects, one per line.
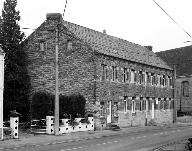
[{"x": 134, "y": 141}]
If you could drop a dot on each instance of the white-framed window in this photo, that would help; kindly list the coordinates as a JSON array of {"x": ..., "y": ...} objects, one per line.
[
  {"x": 148, "y": 78},
  {"x": 133, "y": 106},
  {"x": 41, "y": 46},
  {"x": 69, "y": 44},
  {"x": 132, "y": 75},
  {"x": 125, "y": 75},
  {"x": 102, "y": 109},
  {"x": 141, "y": 77},
  {"x": 152, "y": 79},
  {"x": 125, "y": 105},
  {"x": 104, "y": 71},
  {"x": 114, "y": 73}
]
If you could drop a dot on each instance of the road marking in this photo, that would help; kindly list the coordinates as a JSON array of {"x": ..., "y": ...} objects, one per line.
[
  {"x": 74, "y": 148},
  {"x": 98, "y": 144},
  {"x": 45, "y": 144},
  {"x": 155, "y": 134},
  {"x": 109, "y": 142},
  {"x": 37, "y": 145},
  {"x": 103, "y": 143},
  {"x": 173, "y": 131},
  {"x": 144, "y": 136},
  {"x": 132, "y": 138},
  {"x": 115, "y": 141},
  {"x": 80, "y": 147},
  {"x": 54, "y": 143},
  {"x": 138, "y": 137},
  {"x": 68, "y": 149}
]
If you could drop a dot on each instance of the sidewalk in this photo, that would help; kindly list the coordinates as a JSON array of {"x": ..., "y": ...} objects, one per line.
[{"x": 34, "y": 140}]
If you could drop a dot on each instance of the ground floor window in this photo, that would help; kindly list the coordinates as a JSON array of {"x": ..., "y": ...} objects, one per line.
[
  {"x": 125, "y": 105},
  {"x": 102, "y": 108},
  {"x": 133, "y": 106}
]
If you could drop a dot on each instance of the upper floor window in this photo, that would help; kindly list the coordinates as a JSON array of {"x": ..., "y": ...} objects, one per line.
[
  {"x": 170, "y": 81},
  {"x": 185, "y": 88},
  {"x": 104, "y": 72},
  {"x": 152, "y": 79},
  {"x": 148, "y": 78},
  {"x": 141, "y": 77},
  {"x": 114, "y": 73},
  {"x": 42, "y": 45},
  {"x": 69, "y": 45},
  {"x": 125, "y": 75},
  {"x": 133, "y": 77}
]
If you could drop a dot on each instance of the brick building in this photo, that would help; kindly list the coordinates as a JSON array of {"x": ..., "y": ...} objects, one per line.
[
  {"x": 128, "y": 82},
  {"x": 181, "y": 58}
]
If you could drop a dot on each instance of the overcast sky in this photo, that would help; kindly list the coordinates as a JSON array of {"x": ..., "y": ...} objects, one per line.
[{"x": 138, "y": 21}]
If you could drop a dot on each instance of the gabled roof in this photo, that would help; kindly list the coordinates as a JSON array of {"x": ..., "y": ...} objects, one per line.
[
  {"x": 116, "y": 47},
  {"x": 181, "y": 57}
]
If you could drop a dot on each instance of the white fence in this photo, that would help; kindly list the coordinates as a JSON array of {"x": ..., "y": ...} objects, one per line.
[{"x": 67, "y": 126}]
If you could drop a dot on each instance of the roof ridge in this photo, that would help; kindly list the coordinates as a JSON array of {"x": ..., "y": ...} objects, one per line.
[{"x": 104, "y": 33}]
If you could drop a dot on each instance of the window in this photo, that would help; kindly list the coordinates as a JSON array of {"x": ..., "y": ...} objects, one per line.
[
  {"x": 132, "y": 75},
  {"x": 114, "y": 73},
  {"x": 163, "y": 80},
  {"x": 185, "y": 88},
  {"x": 152, "y": 79},
  {"x": 147, "y": 105},
  {"x": 140, "y": 105},
  {"x": 41, "y": 46},
  {"x": 102, "y": 109},
  {"x": 158, "y": 80},
  {"x": 69, "y": 45},
  {"x": 125, "y": 105},
  {"x": 133, "y": 106},
  {"x": 125, "y": 75},
  {"x": 104, "y": 72},
  {"x": 171, "y": 82},
  {"x": 148, "y": 78},
  {"x": 141, "y": 77}
]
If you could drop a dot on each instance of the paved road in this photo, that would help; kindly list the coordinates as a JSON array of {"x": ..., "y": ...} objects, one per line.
[{"x": 135, "y": 141}]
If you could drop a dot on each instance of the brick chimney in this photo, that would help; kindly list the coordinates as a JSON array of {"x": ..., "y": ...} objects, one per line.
[
  {"x": 104, "y": 31},
  {"x": 149, "y": 47},
  {"x": 54, "y": 16}
]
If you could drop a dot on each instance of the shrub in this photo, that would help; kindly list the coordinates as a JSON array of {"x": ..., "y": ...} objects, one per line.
[{"x": 69, "y": 106}]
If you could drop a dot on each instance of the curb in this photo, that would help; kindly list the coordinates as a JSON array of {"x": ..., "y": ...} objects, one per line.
[{"x": 160, "y": 148}]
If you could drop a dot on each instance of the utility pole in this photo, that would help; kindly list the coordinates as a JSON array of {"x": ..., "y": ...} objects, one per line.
[
  {"x": 56, "y": 111},
  {"x": 174, "y": 96}
]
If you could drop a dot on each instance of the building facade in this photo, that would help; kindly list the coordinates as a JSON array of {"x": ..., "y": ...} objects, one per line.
[
  {"x": 181, "y": 58},
  {"x": 128, "y": 82}
]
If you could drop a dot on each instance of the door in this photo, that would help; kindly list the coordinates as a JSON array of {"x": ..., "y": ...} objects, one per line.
[
  {"x": 153, "y": 110},
  {"x": 109, "y": 115}
]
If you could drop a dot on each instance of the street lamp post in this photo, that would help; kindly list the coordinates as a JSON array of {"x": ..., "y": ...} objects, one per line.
[{"x": 56, "y": 111}]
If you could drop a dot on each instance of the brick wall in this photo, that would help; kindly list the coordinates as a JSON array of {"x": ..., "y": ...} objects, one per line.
[
  {"x": 80, "y": 72},
  {"x": 76, "y": 66},
  {"x": 184, "y": 103}
]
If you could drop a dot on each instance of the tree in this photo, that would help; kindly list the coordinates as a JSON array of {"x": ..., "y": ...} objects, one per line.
[{"x": 16, "y": 81}]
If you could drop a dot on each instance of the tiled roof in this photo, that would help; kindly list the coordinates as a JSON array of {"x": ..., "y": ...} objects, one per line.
[
  {"x": 181, "y": 57},
  {"x": 116, "y": 47}
]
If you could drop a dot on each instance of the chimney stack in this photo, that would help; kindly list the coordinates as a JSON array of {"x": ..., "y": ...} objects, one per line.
[
  {"x": 149, "y": 47},
  {"x": 104, "y": 31},
  {"x": 54, "y": 16}
]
